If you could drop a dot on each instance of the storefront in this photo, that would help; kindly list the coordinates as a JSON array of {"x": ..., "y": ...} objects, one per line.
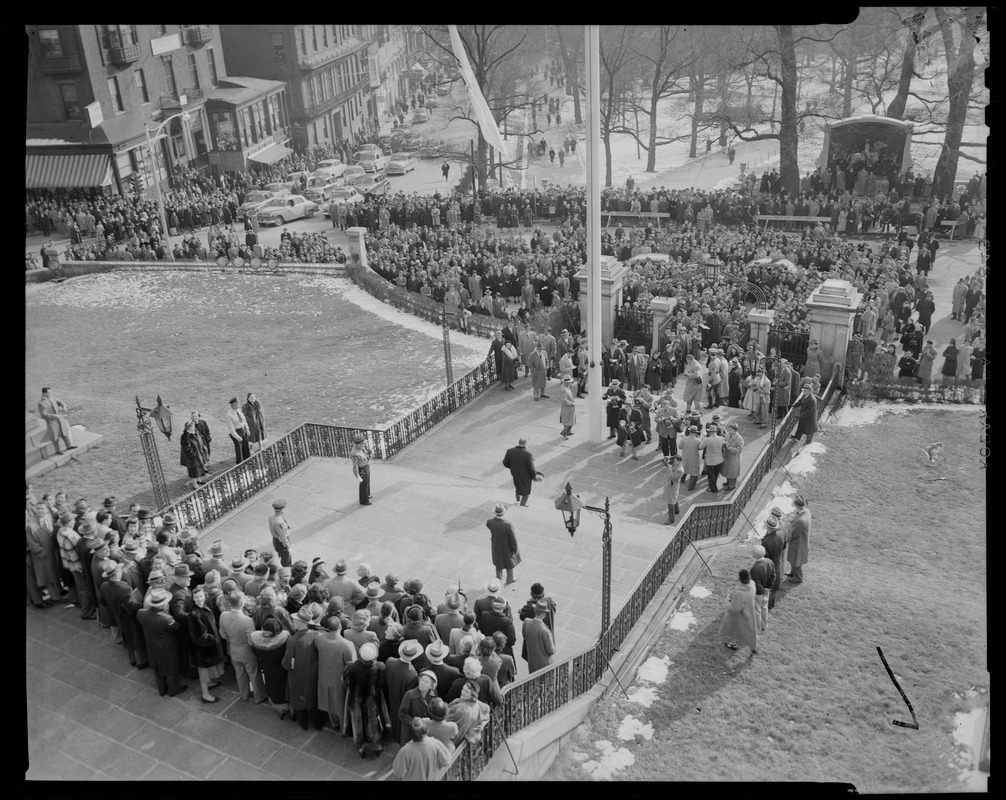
[{"x": 248, "y": 123}]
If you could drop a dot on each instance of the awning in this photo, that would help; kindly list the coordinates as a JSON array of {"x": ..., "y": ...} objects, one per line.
[
  {"x": 271, "y": 154},
  {"x": 67, "y": 170}
]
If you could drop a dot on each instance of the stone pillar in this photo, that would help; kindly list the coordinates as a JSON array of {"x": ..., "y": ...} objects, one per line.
[
  {"x": 357, "y": 249},
  {"x": 833, "y": 307},
  {"x": 612, "y": 274},
  {"x": 662, "y": 308},
  {"x": 760, "y": 321}
]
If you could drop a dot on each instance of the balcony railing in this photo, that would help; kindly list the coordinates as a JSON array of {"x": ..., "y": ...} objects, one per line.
[
  {"x": 198, "y": 35},
  {"x": 119, "y": 51},
  {"x": 53, "y": 65},
  {"x": 315, "y": 60},
  {"x": 167, "y": 102}
]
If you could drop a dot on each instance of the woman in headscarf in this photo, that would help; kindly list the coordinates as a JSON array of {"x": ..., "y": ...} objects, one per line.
[
  {"x": 469, "y": 713},
  {"x": 207, "y": 649},
  {"x": 194, "y": 454},
  {"x": 269, "y": 646},
  {"x": 739, "y": 626},
  {"x": 256, "y": 422}
]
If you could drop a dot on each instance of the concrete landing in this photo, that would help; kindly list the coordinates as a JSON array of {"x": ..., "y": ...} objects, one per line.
[{"x": 40, "y": 454}]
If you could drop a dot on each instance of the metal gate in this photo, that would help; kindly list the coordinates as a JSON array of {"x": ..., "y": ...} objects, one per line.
[
  {"x": 636, "y": 327},
  {"x": 790, "y": 345}
]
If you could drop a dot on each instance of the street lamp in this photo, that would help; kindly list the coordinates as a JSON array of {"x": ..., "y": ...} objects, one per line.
[
  {"x": 145, "y": 428},
  {"x": 570, "y": 505},
  {"x": 157, "y": 176}
]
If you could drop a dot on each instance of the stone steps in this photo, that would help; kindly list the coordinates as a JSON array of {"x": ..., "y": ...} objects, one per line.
[{"x": 40, "y": 454}]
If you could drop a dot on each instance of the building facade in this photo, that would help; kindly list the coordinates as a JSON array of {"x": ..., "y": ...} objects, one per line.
[
  {"x": 97, "y": 90},
  {"x": 338, "y": 76}
]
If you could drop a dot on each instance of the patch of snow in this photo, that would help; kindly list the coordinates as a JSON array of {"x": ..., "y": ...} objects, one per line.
[
  {"x": 576, "y": 755},
  {"x": 699, "y": 591},
  {"x": 632, "y": 727},
  {"x": 654, "y": 670},
  {"x": 609, "y": 762},
  {"x": 967, "y": 735},
  {"x": 869, "y": 413},
  {"x": 646, "y": 696},
  {"x": 803, "y": 463},
  {"x": 782, "y": 496},
  {"x": 681, "y": 620}
]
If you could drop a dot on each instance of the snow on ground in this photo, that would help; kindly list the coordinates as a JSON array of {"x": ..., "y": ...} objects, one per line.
[
  {"x": 632, "y": 727},
  {"x": 646, "y": 696},
  {"x": 699, "y": 591},
  {"x": 967, "y": 736},
  {"x": 654, "y": 670},
  {"x": 681, "y": 620},
  {"x": 782, "y": 497},
  {"x": 803, "y": 463},
  {"x": 609, "y": 761},
  {"x": 869, "y": 413}
]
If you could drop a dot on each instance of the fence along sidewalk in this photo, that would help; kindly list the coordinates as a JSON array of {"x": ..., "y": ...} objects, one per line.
[
  {"x": 243, "y": 481},
  {"x": 530, "y": 699}
]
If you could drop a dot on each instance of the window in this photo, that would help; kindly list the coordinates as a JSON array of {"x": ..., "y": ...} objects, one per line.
[
  {"x": 328, "y": 83},
  {"x": 169, "y": 76},
  {"x": 212, "y": 58},
  {"x": 193, "y": 72},
  {"x": 141, "y": 85},
  {"x": 324, "y": 35},
  {"x": 71, "y": 105},
  {"x": 120, "y": 35},
  {"x": 336, "y": 38},
  {"x": 314, "y": 38},
  {"x": 277, "y": 45},
  {"x": 324, "y": 127},
  {"x": 51, "y": 44},
  {"x": 303, "y": 42},
  {"x": 162, "y": 29},
  {"x": 113, "y": 90}
]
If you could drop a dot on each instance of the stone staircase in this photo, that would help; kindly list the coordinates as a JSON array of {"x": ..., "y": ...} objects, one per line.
[{"x": 40, "y": 454}]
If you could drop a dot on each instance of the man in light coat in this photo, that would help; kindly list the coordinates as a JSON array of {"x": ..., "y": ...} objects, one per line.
[
  {"x": 54, "y": 412},
  {"x": 538, "y": 638},
  {"x": 236, "y": 628},
  {"x": 539, "y": 365},
  {"x": 733, "y": 445},
  {"x": 712, "y": 451},
  {"x": 526, "y": 341},
  {"x": 799, "y": 539}
]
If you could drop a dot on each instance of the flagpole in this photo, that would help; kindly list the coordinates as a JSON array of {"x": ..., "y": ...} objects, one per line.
[{"x": 595, "y": 410}]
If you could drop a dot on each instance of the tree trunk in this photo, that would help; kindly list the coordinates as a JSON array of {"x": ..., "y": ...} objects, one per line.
[
  {"x": 698, "y": 89},
  {"x": 834, "y": 72},
  {"x": 481, "y": 155},
  {"x": 849, "y": 79},
  {"x": 749, "y": 80},
  {"x": 570, "y": 61},
  {"x": 789, "y": 170},
  {"x": 896, "y": 110},
  {"x": 960, "y": 78},
  {"x": 577, "y": 113},
  {"x": 607, "y": 160},
  {"x": 651, "y": 152},
  {"x": 724, "y": 92}
]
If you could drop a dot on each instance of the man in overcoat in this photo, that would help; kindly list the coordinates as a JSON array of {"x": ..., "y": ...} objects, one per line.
[
  {"x": 334, "y": 654},
  {"x": 54, "y": 412},
  {"x": 799, "y": 539},
  {"x": 301, "y": 661},
  {"x": 539, "y": 365},
  {"x": 504, "y": 544},
  {"x": 400, "y": 676},
  {"x": 520, "y": 462},
  {"x": 159, "y": 629},
  {"x": 807, "y": 413},
  {"x": 538, "y": 638},
  {"x": 775, "y": 547}
]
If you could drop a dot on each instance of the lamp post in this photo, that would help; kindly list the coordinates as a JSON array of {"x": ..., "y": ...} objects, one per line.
[
  {"x": 145, "y": 418},
  {"x": 445, "y": 319},
  {"x": 157, "y": 176},
  {"x": 570, "y": 505}
]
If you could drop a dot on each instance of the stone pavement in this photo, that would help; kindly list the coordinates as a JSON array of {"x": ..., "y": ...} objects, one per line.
[{"x": 92, "y": 716}]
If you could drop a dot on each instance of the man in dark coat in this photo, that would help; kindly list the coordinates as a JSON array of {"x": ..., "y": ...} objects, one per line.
[
  {"x": 504, "y": 544},
  {"x": 807, "y": 413},
  {"x": 399, "y": 677},
  {"x": 416, "y": 704},
  {"x": 497, "y": 620},
  {"x": 180, "y": 606},
  {"x": 436, "y": 652},
  {"x": 496, "y": 348},
  {"x": 774, "y": 546},
  {"x": 520, "y": 462},
  {"x": 123, "y": 608},
  {"x": 159, "y": 629},
  {"x": 763, "y": 575},
  {"x": 301, "y": 661}
]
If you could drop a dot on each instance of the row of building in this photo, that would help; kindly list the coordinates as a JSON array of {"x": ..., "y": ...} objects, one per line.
[{"x": 211, "y": 97}]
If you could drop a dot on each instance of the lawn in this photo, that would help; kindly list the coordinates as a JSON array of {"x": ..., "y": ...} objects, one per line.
[
  {"x": 311, "y": 348},
  {"x": 897, "y": 560}
]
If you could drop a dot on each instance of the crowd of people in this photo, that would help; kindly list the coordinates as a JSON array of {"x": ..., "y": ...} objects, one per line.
[{"x": 366, "y": 655}]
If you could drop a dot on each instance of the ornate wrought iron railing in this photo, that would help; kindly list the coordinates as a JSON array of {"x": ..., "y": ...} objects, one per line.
[{"x": 530, "y": 699}]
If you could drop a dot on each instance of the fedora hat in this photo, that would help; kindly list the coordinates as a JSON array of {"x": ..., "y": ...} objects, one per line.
[
  {"x": 158, "y": 598},
  {"x": 453, "y": 602},
  {"x": 131, "y": 546},
  {"x": 799, "y": 501},
  {"x": 493, "y": 586},
  {"x": 169, "y": 519},
  {"x": 218, "y": 548},
  {"x": 109, "y": 570},
  {"x": 500, "y": 510},
  {"x": 239, "y": 563},
  {"x": 373, "y": 591},
  {"x": 340, "y": 567},
  {"x": 437, "y": 651},
  {"x": 66, "y": 518},
  {"x": 155, "y": 575},
  {"x": 409, "y": 650},
  {"x": 182, "y": 571},
  {"x": 86, "y": 527},
  {"x": 368, "y": 651},
  {"x": 278, "y": 504}
]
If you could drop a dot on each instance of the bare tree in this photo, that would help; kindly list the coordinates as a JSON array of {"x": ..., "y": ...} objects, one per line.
[
  {"x": 616, "y": 58},
  {"x": 571, "y": 51},
  {"x": 913, "y": 25}
]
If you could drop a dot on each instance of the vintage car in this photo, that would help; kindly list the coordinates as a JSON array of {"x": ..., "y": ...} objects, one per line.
[
  {"x": 344, "y": 194},
  {"x": 284, "y": 209},
  {"x": 373, "y": 184},
  {"x": 257, "y": 198},
  {"x": 400, "y": 164}
]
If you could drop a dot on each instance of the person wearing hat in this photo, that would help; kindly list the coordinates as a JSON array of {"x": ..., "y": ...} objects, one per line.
[
  {"x": 799, "y": 539},
  {"x": 446, "y": 674},
  {"x": 194, "y": 455},
  {"x": 763, "y": 576},
  {"x": 451, "y": 617},
  {"x": 488, "y": 690},
  {"x": 496, "y": 620},
  {"x": 712, "y": 455},
  {"x": 115, "y": 522},
  {"x": 505, "y": 553},
  {"x": 99, "y": 558},
  {"x": 630, "y": 427},
  {"x": 760, "y": 392},
  {"x": 567, "y": 406},
  {"x": 924, "y": 374},
  {"x": 783, "y": 389},
  {"x": 238, "y": 566},
  {"x": 334, "y": 655},
  {"x": 124, "y": 603},
  {"x": 237, "y": 427},
  {"x": 269, "y": 648},
  {"x": 373, "y": 593},
  {"x": 55, "y": 413},
  {"x": 317, "y": 573},
  {"x": 520, "y": 462},
  {"x": 740, "y": 622},
  {"x": 69, "y": 549},
  {"x": 437, "y": 726},
  {"x": 672, "y": 487},
  {"x": 806, "y": 405},
  {"x": 691, "y": 462},
  {"x": 539, "y": 364},
  {"x": 693, "y": 383},
  {"x": 468, "y": 712},
  {"x": 538, "y": 638},
  {"x": 236, "y": 629},
  {"x": 159, "y": 635},
  {"x": 614, "y": 398},
  {"x": 733, "y": 446},
  {"x": 207, "y": 648},
  {"x": 180, "y": 606},
  {"x": 775, "y": 547},
  {"x": 365, "y": 717},
  {"x": 341, "y": 584},
  {"x": 361, "y": 456},
  {"x": 279, "y": 529},
  {"x": 216, "y": 559},
  {"x": 510, "y": 358},
  {"x": 301, "y": 662},
  {"x": 415, "y": 703},
  {"x": 400, "y": 676}
]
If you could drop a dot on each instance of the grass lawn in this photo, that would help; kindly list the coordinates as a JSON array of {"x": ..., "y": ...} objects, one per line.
[
  {"x": 198, "y": 339},
  {"x": 897, "y": 560}
]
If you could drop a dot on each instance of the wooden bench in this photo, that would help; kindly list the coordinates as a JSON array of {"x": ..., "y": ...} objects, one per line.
[
  {"x": 949, "y": 223},
  {"x": 826, "y": 221},
  {"x": 658, "y": 215}
]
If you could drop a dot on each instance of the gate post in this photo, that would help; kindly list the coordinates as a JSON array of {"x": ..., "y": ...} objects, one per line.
[
  {"x": 760, "y": 322},
  {"x": 833, "y": 307},
  {"x": 662, "y": 308},
  {"x": 612, "y": 275}
]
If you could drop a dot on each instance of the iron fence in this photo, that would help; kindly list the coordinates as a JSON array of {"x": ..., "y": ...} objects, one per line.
[
  {"x": 528, "y": 700},
  {"x": 634, "y": 326}
]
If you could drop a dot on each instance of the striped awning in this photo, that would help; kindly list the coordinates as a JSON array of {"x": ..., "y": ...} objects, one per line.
[
  {"x": 67, "y": 170},
  {"x": 270, "y": 154}
]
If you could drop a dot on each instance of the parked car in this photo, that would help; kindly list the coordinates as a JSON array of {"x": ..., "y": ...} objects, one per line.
[
  {"x": 257, "y": 198},
  {"x": 320, "y": 186},
  {"x": 330, "y": 166},
  {"x": 413, "y": 141},
  {"x": 385, "y": 141},
  {"x": 353, "y": 174},
  {"x": 293, "y": 179},
  {"x": 373, "y": 162},
  {"x": 281, "y": 210},
  {"x": 369, "y": 147},
  {"x": 344, "y": 194},
  {"x": 421, "y": 116},
  {"x": 278, "y": 188},
  {"x": 400, "y": 164},
  {"x": 373, "y": 184}
]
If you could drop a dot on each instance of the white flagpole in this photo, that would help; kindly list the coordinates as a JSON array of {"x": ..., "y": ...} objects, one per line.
[{"x": 592, "y": 55}]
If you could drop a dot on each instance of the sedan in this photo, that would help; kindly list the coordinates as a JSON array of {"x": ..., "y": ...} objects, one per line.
[
  {"x": 345, "y": 195},
  {"x": 255, "y": 200},
  {"x": 421, "y": 116},
  {"x": 373, "y": 184},
  {"x": 373, "y": 162},
  {"x": 353, "y": 174},
  {"x": 366, "y": 148},
  {"x": 281, "y": 210},
  {"x": 400, "y": 164},
  {"x": 330, "y": 166}
]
